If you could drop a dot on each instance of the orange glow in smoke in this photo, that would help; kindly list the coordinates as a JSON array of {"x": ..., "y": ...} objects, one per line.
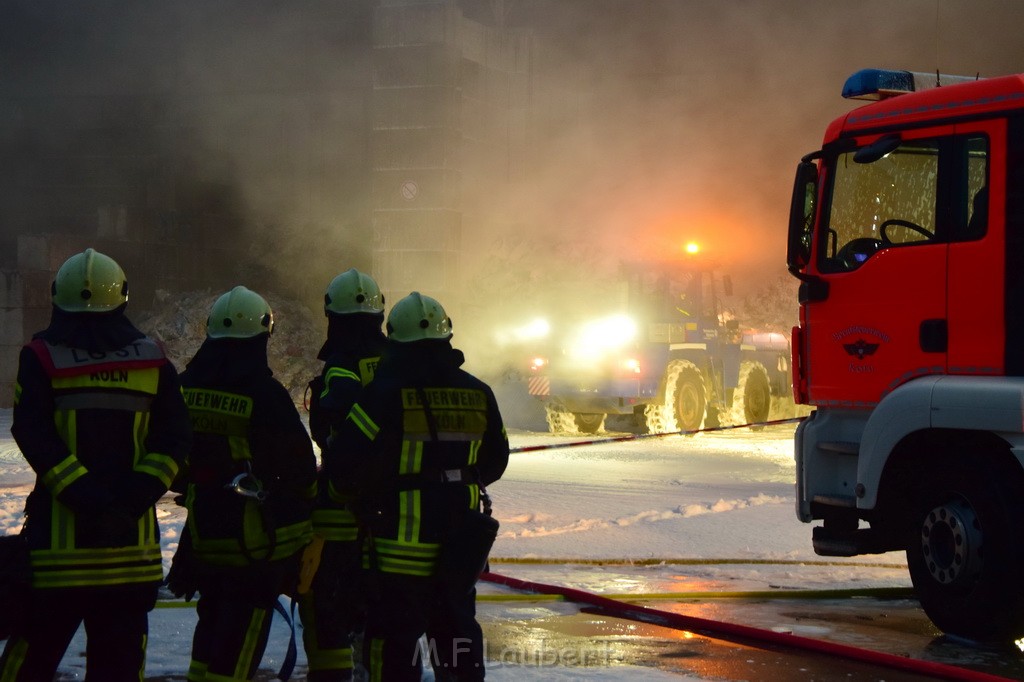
[{"x": 724, "y": 236}]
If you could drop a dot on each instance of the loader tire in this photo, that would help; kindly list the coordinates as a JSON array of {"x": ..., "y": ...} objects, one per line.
[{"x": 752, "y": 402}]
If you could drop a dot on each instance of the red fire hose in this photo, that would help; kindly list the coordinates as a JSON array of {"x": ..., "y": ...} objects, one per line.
[{"x": 743, "y": 633}]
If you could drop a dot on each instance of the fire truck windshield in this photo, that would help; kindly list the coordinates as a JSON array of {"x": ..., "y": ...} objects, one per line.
[{"x": 888, "y": 202}]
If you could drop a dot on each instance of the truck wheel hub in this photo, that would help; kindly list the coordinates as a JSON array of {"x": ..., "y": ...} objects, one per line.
[{"x": 951, "y": 542}]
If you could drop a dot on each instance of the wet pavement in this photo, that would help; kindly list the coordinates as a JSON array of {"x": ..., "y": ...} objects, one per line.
[
  {"x": 544, "y": 637},
  {"x": 548, "y": 631},
  {"x": 541, "y": 637},
  {"x": 546, "y": 634}
]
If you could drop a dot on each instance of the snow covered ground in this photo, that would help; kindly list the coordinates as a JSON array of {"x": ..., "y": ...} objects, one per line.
[{"x": 722, "y": 496}]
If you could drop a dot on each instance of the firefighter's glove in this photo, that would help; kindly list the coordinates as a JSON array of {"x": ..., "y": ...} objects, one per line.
[{"x": 182, "y": 578}]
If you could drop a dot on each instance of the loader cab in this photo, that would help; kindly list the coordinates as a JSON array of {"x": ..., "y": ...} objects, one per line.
[{"x": 685, "y": 299}]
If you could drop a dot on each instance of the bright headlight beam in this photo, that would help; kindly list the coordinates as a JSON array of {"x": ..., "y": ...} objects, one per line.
[
  {"x": 600, "y": 336},
  {"x": 531, "y": 331}
]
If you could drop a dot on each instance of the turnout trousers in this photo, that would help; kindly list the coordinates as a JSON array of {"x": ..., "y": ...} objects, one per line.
[
  {"x": 116, "y": 621},
  {"x": 332, "y": 611},
  {"x": 405, "y": 608},
  {"x": 235, "y": 612}
]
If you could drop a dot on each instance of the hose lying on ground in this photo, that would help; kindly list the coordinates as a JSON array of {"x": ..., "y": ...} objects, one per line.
[{"x": 743, "y": 634}]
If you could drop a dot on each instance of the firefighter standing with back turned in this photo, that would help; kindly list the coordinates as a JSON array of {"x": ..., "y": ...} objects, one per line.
[
  {"x": 251, "y": 478},
  {"x": 420, "y": 444},
  {"x": 331, "y": 610},
  {"x": 99, "y": 415}
]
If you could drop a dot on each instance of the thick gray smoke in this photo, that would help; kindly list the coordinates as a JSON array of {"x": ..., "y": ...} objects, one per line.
[{"x": 244, "y": 128}]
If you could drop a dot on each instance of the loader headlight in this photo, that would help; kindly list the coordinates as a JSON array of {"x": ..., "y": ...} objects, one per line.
[
  {"x": 533, "y": 330},
  {"x": 597, "y": 338}
]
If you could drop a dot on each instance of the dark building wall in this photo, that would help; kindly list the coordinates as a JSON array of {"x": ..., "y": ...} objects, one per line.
[
  {"x": 448, "y": 79},
  {"x": 200, "y": 144},
  {"x": 232, "y": 126},
  {"x": 273, "y": 144}
]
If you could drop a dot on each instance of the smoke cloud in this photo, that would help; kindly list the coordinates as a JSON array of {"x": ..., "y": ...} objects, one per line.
[{"x": 244, "y": 128}]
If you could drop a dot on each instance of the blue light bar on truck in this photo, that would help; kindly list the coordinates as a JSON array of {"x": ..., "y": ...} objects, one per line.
[{"x": 875, "y": 84}]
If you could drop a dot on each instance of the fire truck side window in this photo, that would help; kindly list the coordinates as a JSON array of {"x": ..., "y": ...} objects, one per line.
[
  {"x": 883, "y": 203},
  {"x": 976, "y": 207}
]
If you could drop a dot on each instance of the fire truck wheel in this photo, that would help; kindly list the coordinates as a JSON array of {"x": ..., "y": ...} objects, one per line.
[
  {"x": 687, "y": 398},
  {"x": 965, "y": 557},
  {"x": 753, "y": 401},
  {"x": 588, "y": 423}
]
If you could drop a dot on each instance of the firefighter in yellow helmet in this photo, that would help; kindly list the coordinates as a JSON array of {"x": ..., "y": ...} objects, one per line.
[
  {"x": 354, "y": 308},
  {"x": 332, "y": 609},
  {"x": 99, "y": 415},
  {"x": 419, "y": 446},
  {"x": 249, "y": 487}
]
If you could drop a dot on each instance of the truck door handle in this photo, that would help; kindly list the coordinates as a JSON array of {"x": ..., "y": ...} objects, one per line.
[{"x": 934, "y": 336}]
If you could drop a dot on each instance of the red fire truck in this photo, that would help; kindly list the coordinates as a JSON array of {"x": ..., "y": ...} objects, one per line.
[{"x": 907, "y": 236}]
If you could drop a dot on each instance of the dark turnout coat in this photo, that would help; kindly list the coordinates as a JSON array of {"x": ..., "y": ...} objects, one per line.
[
  {"x": 244, "y": 422},
  {"x": 99, "y": 415},
  {"x": 418, "y": 445}
]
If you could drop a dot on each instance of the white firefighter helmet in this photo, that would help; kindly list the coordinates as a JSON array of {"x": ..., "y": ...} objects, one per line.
[
  {"x": 353, "y": 292},
  {"x": 89, "y": 282},
  {"x": 239, "y": 314},
  {"x": 417, "y": 317}
]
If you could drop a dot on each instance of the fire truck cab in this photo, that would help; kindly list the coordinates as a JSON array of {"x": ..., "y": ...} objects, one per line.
[{"x": 907, "y": 236}]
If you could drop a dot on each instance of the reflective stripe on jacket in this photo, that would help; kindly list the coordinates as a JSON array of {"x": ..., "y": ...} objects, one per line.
[
  {"x": 417, "y": 457},
  {"x": 343, "y": 376}
]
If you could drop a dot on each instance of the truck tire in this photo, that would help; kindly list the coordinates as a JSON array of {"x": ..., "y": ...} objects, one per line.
[
  {"x": 752, "y": 402},
  {"x": 587, "y": 422},
  {"x": 656, "y": 419},
  {"x": 965, "y": 555},
  {"x": 685, "y": 396},
  {"x": 559, "y": 421},
  {"x": 562, "y": 421}
]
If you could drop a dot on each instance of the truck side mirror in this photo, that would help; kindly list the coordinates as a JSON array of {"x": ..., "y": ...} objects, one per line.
[
  {"x": 801, "y": 216},
  {"x": 883, "y": 146}
]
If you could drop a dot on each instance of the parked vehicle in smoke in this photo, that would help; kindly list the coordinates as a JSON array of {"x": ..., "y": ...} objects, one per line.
[
  {"x": 665, "y": 355},
  {"x": 907, "y": 235}
]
